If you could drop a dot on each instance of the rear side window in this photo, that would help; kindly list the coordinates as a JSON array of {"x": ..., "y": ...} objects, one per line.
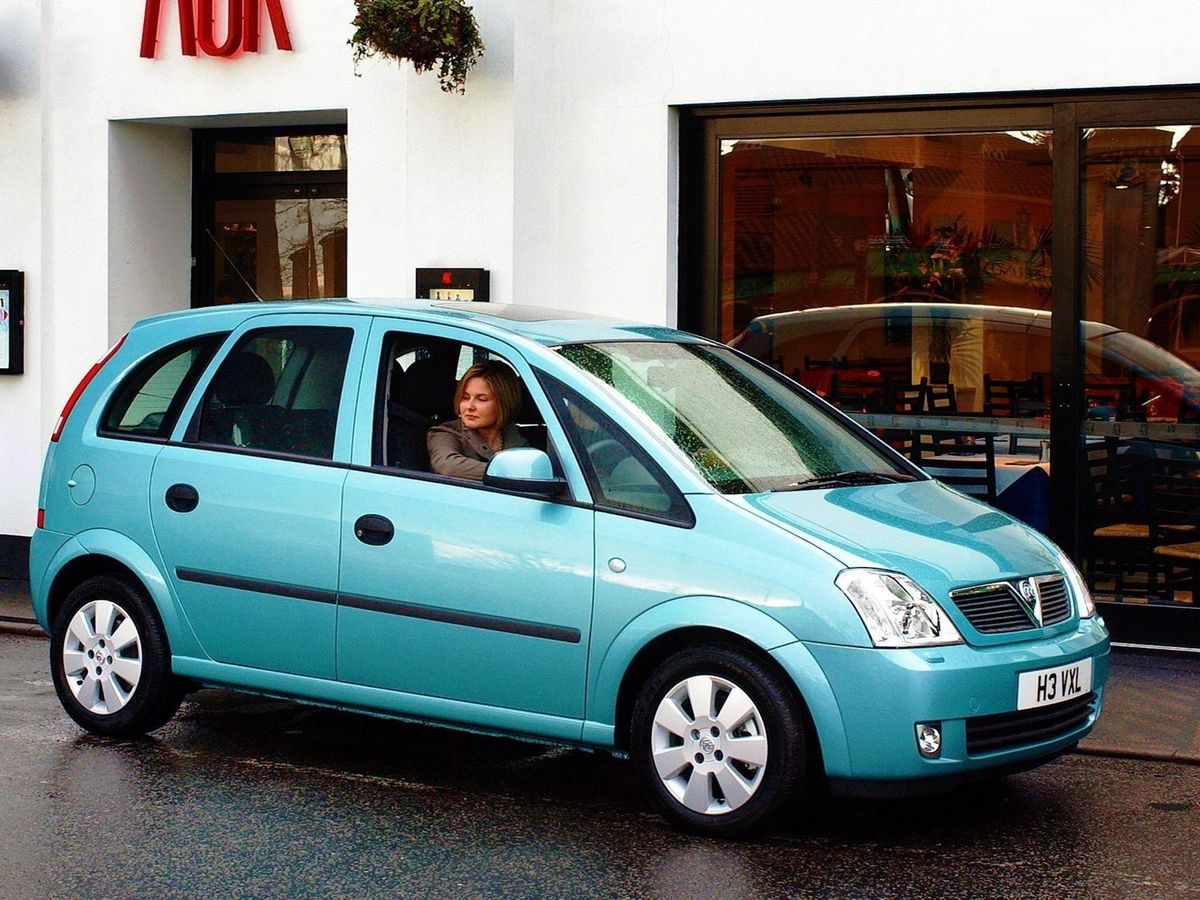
[
  {"x": 148, "y": 402},
  {"x": 278, "y": 391}
]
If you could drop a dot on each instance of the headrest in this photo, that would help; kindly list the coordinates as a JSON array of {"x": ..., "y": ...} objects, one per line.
[
  {"x": 245, "y": 379},
  {"x": 424, "y": 390}
]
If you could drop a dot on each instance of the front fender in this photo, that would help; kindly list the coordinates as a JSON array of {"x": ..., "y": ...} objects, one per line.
[
  {"x": 119, "y": 548},
  {"x": 718, "y": 613}
]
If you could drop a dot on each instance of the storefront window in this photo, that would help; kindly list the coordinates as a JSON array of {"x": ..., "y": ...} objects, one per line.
[{"x": 1141, "y": 381}]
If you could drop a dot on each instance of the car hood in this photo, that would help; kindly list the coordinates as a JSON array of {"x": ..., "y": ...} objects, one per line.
[{"x": 930, "y": 532}]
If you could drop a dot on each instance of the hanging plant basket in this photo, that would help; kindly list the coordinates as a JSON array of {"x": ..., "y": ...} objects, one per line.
[{"x": 430, "y": 34}]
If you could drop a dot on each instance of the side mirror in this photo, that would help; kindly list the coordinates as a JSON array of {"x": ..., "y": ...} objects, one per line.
[{"x": 524, "y": 469}]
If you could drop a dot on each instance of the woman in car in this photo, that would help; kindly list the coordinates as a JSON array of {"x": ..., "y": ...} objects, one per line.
[{"x": 487, "y": 399}]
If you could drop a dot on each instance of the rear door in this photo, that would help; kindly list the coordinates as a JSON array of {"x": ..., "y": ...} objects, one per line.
[{"x": 246, "y": 501}]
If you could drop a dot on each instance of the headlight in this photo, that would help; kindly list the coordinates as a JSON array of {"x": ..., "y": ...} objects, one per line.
[
  {"x": 1079, "y": 588},
  {"x": 896, "y": 611}
]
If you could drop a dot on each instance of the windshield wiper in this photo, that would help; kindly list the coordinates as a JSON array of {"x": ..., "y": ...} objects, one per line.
[{"x": 845, "y": 479}]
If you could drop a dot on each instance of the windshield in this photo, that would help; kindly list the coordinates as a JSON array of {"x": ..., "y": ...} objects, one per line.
[{"x": 744, "y": 430}]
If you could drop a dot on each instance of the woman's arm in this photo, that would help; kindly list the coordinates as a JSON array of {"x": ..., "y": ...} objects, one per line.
[{"x": 450, "y": 455}]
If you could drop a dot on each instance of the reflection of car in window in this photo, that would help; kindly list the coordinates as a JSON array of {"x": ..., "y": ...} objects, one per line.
[{"x": 908, "y": 340}]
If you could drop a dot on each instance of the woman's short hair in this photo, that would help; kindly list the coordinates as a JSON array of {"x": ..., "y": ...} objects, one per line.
[{"x": 504, "y": 384}]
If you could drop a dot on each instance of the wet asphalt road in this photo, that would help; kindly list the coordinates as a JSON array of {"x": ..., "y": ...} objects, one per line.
[{"x": 250, "y": 797}]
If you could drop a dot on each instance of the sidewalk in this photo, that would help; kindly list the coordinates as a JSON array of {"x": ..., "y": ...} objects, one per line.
[{"x": 1151, "y": 708}]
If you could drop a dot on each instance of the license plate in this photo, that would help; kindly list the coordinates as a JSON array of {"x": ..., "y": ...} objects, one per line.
[{"x": 1047, "y": 686}]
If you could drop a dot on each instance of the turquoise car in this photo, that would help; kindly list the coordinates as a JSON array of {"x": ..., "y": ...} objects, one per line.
[{"x": 689, "y": 560}]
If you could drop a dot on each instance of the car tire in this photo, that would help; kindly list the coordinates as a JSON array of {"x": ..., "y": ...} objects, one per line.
[
  {"x": 727, "y": 770},
  {"x": 110, "y": 661}
]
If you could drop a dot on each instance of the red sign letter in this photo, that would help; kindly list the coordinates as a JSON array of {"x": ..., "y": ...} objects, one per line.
[
  {"x": 241, "y": 30},
  {"x": 283, "y": 40},
  {"x": 187, "y": 28},
  {"x": 207, "y": 28}
]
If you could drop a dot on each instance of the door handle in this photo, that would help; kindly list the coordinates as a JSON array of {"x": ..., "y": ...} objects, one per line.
[
  {"x": 374, "y": 530},
  {"x": 182, "y": 497}
]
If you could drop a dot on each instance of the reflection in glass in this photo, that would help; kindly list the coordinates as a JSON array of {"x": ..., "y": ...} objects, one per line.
[
  {"x": 1139, "y": 435},
  {"x": 281, "y": 153},
  {"x": 944, "y": 219},
  {"x": 279, "y": 249}
]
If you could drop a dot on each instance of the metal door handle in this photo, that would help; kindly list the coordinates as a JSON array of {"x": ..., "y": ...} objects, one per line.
[
  {"x": 182, "y": 498},
  {"x": 374, "y": 530}
]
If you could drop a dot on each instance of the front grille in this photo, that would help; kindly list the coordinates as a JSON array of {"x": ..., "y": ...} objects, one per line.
[
  {"x": 997, "y": 608},
  {"x": 987, "y": 734},
  {"x": 1056, "y": 605}
]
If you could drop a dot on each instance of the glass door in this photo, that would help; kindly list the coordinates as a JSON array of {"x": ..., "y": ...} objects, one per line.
[
  {"x": 1140, "y": 363},
  {"x": 270, "y": 215}
]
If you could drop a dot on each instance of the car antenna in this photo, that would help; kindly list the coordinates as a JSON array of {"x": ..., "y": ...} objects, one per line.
[{"x": 233, "y": 265}]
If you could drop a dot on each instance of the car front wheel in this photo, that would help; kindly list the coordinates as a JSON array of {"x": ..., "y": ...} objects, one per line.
[
  {"x": 718, "y": 741},
  {"x": 109, "y": 659}
]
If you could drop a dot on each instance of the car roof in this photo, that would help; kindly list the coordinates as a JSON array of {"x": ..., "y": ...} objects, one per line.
[{"x": 543, "y": 325}]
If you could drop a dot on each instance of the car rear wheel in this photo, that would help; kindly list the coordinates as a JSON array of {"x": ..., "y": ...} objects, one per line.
[
  {"x": 109, "y": 659},
  {"x": 718, "y": 741}
]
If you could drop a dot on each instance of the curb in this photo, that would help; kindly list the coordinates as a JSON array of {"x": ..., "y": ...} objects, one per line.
[
  {"x": 21, "y": 625},
  {"x": 1116, "y": 751}
]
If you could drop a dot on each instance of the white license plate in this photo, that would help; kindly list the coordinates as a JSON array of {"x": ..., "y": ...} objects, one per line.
[{"x": 1047, "y": 686}]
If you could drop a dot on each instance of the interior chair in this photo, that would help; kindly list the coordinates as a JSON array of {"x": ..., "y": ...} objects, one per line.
[
  {"x": 1172, "y": 495},
  {"x": 940, "y": 398},
  {"x": 948, "y": 457},
  {"x": 238, "y": 402},
  {"x": 850, "y": 394},
  {"x": 907, "y": 397}
]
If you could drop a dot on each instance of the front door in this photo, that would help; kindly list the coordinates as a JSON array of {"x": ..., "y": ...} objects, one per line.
[{"x": 478, "y": 596}]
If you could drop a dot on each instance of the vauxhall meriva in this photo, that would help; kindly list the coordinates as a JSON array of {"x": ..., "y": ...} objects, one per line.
[{"x": 690, "y": 560}]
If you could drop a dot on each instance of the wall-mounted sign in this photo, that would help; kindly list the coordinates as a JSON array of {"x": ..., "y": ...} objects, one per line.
[
  {"x": 12, "y": 322},
  {"x": 197, "y": 26},
  {"x": 453, "y": 284}
]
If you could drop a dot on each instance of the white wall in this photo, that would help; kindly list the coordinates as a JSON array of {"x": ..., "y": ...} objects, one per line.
[
  {"x": 150, "y": 229},
  {"x": 21, "y": 192}
]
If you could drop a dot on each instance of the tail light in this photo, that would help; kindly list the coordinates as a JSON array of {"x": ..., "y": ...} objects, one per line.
[
  {"x": 41, "y": 519},
  {"x": 87, "y": 379}
]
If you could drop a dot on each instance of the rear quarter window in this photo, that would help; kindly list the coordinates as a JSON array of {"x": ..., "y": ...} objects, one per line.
[{"x": 148, "y": 401}]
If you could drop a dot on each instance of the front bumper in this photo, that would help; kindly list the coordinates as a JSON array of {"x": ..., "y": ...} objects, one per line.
[{"x": 880, "y": 696}]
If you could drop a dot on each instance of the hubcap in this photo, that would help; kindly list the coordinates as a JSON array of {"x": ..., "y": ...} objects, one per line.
[
  {"x": 709, "y": 744},
  {"x": 102, "y": 657}
]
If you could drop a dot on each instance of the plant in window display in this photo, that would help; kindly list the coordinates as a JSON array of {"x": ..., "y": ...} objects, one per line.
[{"x": 428, "y": 33}]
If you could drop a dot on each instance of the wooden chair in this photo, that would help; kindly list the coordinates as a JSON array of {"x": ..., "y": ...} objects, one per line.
[
  {"x": 1114, "y": 398},
  {"x": 1189, "y": 403},
  {"x": 1118, "y": 544},
  {"x": 1172, "y": 500},
  {"x": 941, "y": 398},
  {"x": 852, "y": 394},
  {"x": 906, "y": 397},
  {"x": 971, "y": 468},
  {"x": 1002, "y": 397}
]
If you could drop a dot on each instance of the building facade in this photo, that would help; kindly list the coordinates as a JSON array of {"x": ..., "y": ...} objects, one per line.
[{"x": 953, "y": 191}]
